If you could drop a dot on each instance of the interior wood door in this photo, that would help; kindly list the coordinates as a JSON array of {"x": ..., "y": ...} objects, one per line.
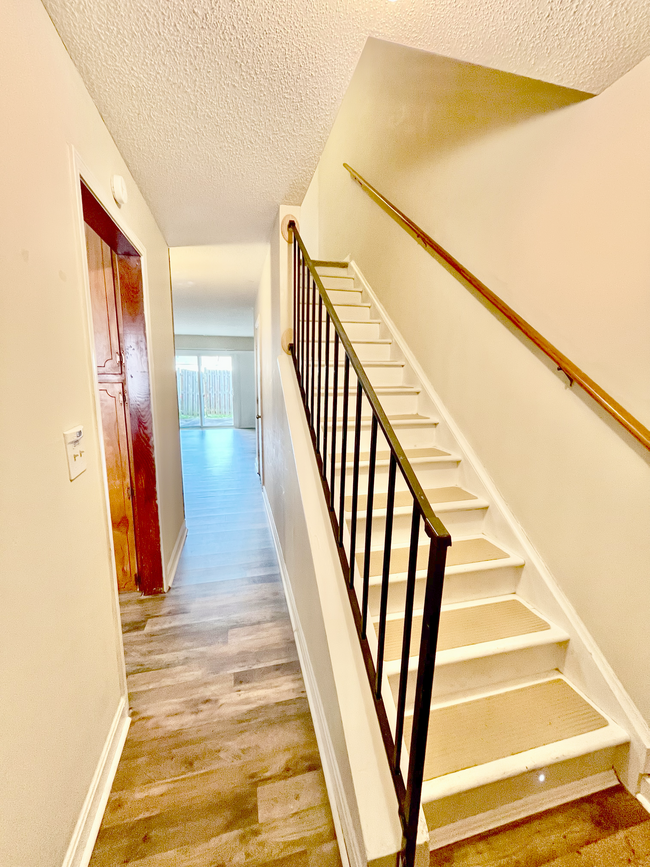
[
  {"x": 117, "y": 291},
  {"x": 116, "y": 448},
  {"x": 105, "y": 306}
]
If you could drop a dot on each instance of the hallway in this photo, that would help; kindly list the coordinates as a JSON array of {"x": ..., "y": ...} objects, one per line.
[{"x": 221, "y": 765}]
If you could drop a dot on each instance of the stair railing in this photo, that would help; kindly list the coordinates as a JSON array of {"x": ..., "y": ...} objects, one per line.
[
  {"x": 324, "y": 358},
  {"x": 573, "y": 373}
]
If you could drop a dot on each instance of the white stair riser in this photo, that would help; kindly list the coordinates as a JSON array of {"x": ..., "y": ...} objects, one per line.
[
  {"x": 433, "y": 475},
  {"x": 398, "y": 404},
  {"x": 422, "y": 436},
  {"x": 363, "y": 330},
  {"x": 378, "y": 375},
  {"x": 425, "y": 437},
  {"x": 463, "y": 587},
  {"x": 344, "y": 296},
  {"x": 464, "y": 521},
  {"x": 353, "y": 312},
  {"x": 389, "y": 375},
  {"x": 393, "y": 404},
  {"x": 487, "y": 671},
  {"x": 496, "y": 795},
  {"x": 333, "y": 280},
  {"x": 373, "y": 351}
]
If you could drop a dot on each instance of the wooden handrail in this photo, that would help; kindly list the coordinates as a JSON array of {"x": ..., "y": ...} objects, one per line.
[{"x": 574, "y": 373}]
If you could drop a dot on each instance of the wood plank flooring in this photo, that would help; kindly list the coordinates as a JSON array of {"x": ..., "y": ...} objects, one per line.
[
  {"x": 221, "y": 765},
  {"x": 610, "y": 824}
]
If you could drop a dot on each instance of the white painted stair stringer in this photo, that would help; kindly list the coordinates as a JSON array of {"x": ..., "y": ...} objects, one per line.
[
  {"x": 585, "y": 663},
  {"x": 644, "y": 792}
]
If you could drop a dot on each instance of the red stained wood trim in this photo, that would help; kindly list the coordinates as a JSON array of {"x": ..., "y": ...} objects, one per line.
[
  {"x": 135, "y": 375},
  {"x": 100, "y": 222},
  {"x": 145, "y": 500},
  {"x": 572, "y": 371}
]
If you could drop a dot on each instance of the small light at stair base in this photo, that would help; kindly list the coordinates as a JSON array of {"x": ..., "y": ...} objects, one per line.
[{"x": 541, "y": 777}]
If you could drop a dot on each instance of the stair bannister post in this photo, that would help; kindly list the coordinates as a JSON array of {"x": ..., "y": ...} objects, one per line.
[
  {"x": 344, "y": 445},
  {"x": 406, "y": 637},
  {"x": 368, "y": 546},
  {"x": 327, "y": 394},
  {"x": 335, "y": 397},
  {"x": 355, "y": 483},
  {"x": 385, "y": 574},
  {"x": 294, "y": 312},
  {"x": 424, "y": 687},
  {"x": 320, "y": 371}
]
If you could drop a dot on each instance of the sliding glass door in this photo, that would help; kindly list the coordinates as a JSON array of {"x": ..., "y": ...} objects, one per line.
[{"x": 204, "y": 390}]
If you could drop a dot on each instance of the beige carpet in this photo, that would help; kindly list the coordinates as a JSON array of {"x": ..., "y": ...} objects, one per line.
[
  {"x": 497, "y": 726},
  {"x": 466, "y": 626}
]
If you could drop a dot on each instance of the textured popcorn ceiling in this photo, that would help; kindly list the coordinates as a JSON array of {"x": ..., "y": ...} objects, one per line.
[{"x": 221, "y": 108}]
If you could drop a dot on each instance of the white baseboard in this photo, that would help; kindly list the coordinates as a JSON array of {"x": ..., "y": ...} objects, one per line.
[
  {"x": 87, "y": 827},
  {"x": 643, "y": 796},
  {"x": 172, "y": 565},
  {"x": 351, "y": 856}
]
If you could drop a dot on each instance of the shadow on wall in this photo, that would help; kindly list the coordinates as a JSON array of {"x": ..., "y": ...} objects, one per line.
[{"x": 452, "y": 104}]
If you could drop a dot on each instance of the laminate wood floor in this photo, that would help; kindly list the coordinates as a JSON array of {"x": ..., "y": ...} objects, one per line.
[
  {"x": 610, "y": 824},
  {"x": 221, "y": 765}
]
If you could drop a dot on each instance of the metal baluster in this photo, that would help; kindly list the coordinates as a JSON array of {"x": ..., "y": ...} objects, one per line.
[
  {"x": 355, "y": 482},
  {"x": 335, "y": 396},
  {"x": 295, "y": 299},
  {"x": 327, "y": 389},
  {"x": 310, "y": 347},
  {"x": 385, "y": 575},
  {"x": 424, "y": 688},
  {"x": 320, "y": 367},
  {"x": 302, "y": 323},
  {"x": 371, "y": 490},
  {"x": 305, "y": 308},
  {"x": 406, "y": 637},
  {"x": 315, "y": 292},
  {"x": 344, "y": 445}
]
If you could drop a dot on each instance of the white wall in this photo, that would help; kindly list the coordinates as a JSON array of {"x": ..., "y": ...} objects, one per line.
[
  {"x": 283, "y": 491},
  {"x": 551, "y": 209},
  {"x": 210, "y": 341},
  {"x": 243, "y": 389},
  {"x": 62, "y": 667}
]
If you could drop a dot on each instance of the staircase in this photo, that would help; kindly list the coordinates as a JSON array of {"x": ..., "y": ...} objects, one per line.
[{"x": 509, "y": 734}]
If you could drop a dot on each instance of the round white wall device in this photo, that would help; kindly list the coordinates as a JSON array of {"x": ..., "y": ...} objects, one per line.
[{"x": 118, "y": 188}]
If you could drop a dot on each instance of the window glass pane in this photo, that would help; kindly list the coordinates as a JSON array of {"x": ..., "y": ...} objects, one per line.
[
  {"x": 216, "y": 376},
  {"x": 187, "y": 382},
  {"x": 216, "y": 362}
]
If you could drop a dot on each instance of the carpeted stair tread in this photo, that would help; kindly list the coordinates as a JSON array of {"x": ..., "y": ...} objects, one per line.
[
  {"x": 435, "y": 496},
  {"x": 472, "y": 733},
  {"x": 462, "y": 552},
  {"x": 462, "y": 627}
]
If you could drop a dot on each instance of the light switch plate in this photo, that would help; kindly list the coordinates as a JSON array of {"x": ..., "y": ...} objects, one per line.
[{"x": 75, "y": 450}]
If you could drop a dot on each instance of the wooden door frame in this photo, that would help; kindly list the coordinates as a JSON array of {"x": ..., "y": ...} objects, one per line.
[
  {"x": 259, "y": 440},
  {"x": 118, "y": 235}
]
